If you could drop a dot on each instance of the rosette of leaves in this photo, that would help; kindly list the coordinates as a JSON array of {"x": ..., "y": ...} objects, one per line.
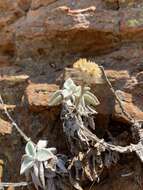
[
  {"x": 75, "y": 96},
  {"x": 41, "y": 163}
]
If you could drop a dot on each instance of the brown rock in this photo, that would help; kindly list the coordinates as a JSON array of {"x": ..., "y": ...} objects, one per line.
[
  {"x": 5, "y": 127},
  {"x": 9, "y": 12},
  {"x": 24, "y": 4},
  {"x": 129, "y": 106},
  {"x": 129, "y": 3},
  {"x": 131, "y": 26},
  {"x": 37, "y": 96},
  {"x": 39, "y": 3},
  {"x": 14, "y": 80},
  {"x": 44, "y": 28},
  {"x": 140, "y": 76},
  {"x": 7, "y": 44},
  {"x": 112, "y": 4}
]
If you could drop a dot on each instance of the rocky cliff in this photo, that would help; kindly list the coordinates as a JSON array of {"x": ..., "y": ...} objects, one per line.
[{"x": 38, "y": 39}]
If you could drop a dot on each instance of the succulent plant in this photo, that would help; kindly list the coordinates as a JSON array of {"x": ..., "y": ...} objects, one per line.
[
  {"x": 71, "y": 94},
  {"x": 41, "y": 163}
]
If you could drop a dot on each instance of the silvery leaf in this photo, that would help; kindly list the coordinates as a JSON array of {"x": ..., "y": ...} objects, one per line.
[
  {"x": 90, "y": 99},
  {"x": 35, "y": 180},
  {"x": 55, "y": 95},
  {"x": 30, "y": 149},
  {"x": 53, "y": 150},
  {"x": 77, "y": 91},
  {"x": 66, "y": 93},
  {"x": 87, "y": 88},
  {"x": 44, "y": 154},
  {"x": 41, "y": 173},
  {"x": 61, "y": 166},
  {"x": 91, "y": 110},
  {"x": 27, "y": 163},
  {"x": 42, "y": 144},
  {"x": 56, "y": 101},
  {"x": 69, "y": 103},
  {"x": 36, "y": 172},
  {"x": 69, "y": 84}
]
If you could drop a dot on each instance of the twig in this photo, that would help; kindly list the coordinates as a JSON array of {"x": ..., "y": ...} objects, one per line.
[
  {"x": 14, "y": 184},
  {"x": 13, "y": 122},
  {"x": 93, "y": 183},
  {"x": 116, "y": 96}
]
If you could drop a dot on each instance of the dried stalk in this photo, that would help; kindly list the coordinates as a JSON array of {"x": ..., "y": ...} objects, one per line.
[
  {"x": 13, "y": 122},
  {"x": 116, "y": 96},
  {"x": 20, "y": 184}
]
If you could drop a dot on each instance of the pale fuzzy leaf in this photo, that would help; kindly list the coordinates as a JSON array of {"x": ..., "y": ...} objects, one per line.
[
  {"x": 42, "y": 144},
  {"x": 27, "y": 163},
  {"x": 90, "y": 99},
  {"x": 44, "y": 154},
  {"x": 86, "y": 88},
  {"x": 36, "y": 174},
  {"x": 69, "y": 84},
  {"x": 56, "y": 101},
  {"x": 41, "y": 174},
  {"x": 54, "y": 96},
  {"x": 77, "y": 91},
  {"x": 91, "y": 110},
  {"x": 68, "y": 102},
  {"x": 30, "y": 149},
  {"x": 66, "y": 93},
  {"x": 53, "y": 150},
  {"x": 36, "y": 180}
]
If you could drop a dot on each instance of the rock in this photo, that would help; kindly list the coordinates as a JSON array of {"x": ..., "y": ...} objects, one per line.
[
  {"x": 9, "y": 12},
  {"x": 4, "y": 61},
  {"x": 24, "y": 4},
  {"x": 44, "y": 28},
  {"x": 14, "y": 80},
  {"x": 5, "y": 127},
  {"x": 38, "y": 95},
  {"x": 41, "y": 3},
  {"x": 131, "y": 26},
  {"x": 140, "y": 76},
  {"x": 129, "y": 106},
  {"x": 7, "y": 44},
  {"x": 129, "y": 3},
  {"x": 112, "y": 4}
]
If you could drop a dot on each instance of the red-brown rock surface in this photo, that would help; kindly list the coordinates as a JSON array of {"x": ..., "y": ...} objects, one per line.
[{"x": 38, "y": 39}]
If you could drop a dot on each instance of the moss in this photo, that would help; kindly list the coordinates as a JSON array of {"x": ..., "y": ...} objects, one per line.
[{"x": 135, "y": 22}]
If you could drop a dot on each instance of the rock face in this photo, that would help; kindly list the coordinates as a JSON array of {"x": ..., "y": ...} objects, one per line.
[{"x": 39, "y": 38}]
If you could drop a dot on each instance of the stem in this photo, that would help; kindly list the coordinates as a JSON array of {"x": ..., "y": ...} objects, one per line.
[
  {"x": 116, "y": 96},
  {"x": 14, "y": 184},
  {"x": 13, "y": 122}
]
